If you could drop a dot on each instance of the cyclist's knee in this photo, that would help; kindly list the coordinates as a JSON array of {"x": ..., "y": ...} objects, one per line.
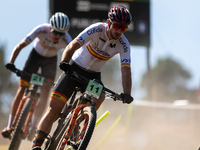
[
  {"x": 20, "y": 93},
  {"x": 102, "y": 96},
  {"x": 21, "y": 88},
  {"x": 55, "y": 107},
  {"x": 98, "y": 102},
  {"x": 46, "y": 87}
]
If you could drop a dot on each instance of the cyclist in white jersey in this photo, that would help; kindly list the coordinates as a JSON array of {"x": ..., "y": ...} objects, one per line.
[
  {"x": 48, "y": 39},
  {"x": 87, "y": 54}
]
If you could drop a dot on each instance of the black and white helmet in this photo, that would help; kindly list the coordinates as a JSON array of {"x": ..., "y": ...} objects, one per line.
[{"x": 60, "y": 22}]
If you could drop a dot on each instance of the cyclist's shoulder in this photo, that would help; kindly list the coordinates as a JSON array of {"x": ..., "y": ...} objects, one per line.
[
  {"x": 67, "y": 38},
  {"x": 123, "y": 40},
  {"x": 41, "y": 29},
  {"x": 99, "y": 26},
  {"x": 123, "y": 44},
  {"x": 67, "y": 35},
  {"x": 44, "y": 26}
]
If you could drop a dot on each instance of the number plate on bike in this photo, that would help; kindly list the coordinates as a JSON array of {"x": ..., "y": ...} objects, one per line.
[
  {"x": 94, "y": 89},
  {"x": 36, "y": 79}
]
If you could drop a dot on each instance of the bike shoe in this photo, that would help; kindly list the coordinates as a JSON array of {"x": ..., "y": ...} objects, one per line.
[
  {"x": 36, "y": 148},
  {"x": 31, "y": 134},
  {"x": 6, "y": 132}
]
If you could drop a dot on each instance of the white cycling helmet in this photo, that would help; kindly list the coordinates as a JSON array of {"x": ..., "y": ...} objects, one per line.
[{"x": 60, "y": 22}]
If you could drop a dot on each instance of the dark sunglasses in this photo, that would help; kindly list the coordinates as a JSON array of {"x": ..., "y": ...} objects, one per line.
[
  {"x": 56, "y": 33},
  {"x": 118, "y": 26}
]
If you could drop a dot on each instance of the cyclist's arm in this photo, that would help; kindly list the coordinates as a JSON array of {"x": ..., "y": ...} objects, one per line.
[
  {"x": 29, "y": 38},
  {"x": 126, "y": 79},
  {"x": 16, "y": 51},
  {"x": 69, "y": 50}
]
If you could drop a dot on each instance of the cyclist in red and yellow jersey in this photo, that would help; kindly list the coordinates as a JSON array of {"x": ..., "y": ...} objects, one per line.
[
  {"x": 49, "y": 39},
  {"x": 86, "y": 55}
]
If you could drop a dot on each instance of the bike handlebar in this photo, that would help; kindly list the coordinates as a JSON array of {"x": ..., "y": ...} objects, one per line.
[
  {"x": 82, "y": 79},
  {"x": 21, "y": 73}
]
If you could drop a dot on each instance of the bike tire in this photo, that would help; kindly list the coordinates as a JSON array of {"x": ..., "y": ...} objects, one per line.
[
  {"x": 52, "y": 142},
  {"x": 17, "y": 133},
  {"x": 89, "y": 112}
]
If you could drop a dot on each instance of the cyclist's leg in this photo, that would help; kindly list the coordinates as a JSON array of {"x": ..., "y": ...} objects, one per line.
[
  {"x": 58, "y": 98},
  {"x": 46, "y": 122},
  {"x": 97, "y": 77},
  {"x": 48, "y": 68},
  {"x": 99, "y": 101},
  {"x": 32, "y": 64},
  {"x": 16, "y": 100},
  {"x": 23, "y": 84},
  {"x": 41, "y": 107}
]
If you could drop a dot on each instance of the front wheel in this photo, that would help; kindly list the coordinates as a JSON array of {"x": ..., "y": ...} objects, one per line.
[
  {"x": 17, "y": 134},
  {"x": 81, "y": 132}
]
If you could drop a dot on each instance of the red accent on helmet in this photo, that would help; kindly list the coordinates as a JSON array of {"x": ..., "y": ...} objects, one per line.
[{"x": 120, "y": 14}]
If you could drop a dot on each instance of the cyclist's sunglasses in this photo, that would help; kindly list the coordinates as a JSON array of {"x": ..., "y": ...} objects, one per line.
[
  {"x": 56, "y": 33},
  {"x": 118, "y": 26}
]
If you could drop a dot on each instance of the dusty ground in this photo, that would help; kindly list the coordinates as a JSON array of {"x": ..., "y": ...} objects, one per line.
[{"x": 142, "y": 128}]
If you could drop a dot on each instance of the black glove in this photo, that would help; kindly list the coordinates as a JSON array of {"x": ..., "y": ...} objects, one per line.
[
  {"x": 126, "y": 98},
  {"x": 10, "y": 66},
  {"x": 64, "y": 66}
]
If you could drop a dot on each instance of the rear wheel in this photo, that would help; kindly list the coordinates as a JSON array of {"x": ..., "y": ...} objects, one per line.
[
  {"x": 17, "y": 134},
  {"x": 82, "y": 131}
]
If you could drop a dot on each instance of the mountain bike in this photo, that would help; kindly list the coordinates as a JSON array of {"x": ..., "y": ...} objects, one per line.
[
  {"x": 77, "y": 120},
  {"x": 23, "y": 117}
]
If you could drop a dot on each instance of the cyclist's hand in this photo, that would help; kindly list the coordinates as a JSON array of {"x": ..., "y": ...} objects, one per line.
[
  {"x": 64, "y": 66},
  {"x": 10, "y": 66},
  {"x": 126, "y": 98}
]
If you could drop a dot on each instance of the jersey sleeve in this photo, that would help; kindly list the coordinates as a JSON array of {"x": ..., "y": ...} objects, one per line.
[
  {"x": 33, "y": 34},
  {"x": 89, "y": 33},
  {"x": 125, "y": 54},
  {"x": 68, "y": 38}
]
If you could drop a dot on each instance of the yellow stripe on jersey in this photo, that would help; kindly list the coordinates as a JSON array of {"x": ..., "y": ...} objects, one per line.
[
  {"x": 79, "y": 42},
  {"x": 27, "y": 42},
  {"x": 58, "y": 96},
  {"x": 96, "y": 54},
  {"x": 125, "y": 64},
  {"x": 45, "y": 46},
  {"x": 24, "y": 83}
]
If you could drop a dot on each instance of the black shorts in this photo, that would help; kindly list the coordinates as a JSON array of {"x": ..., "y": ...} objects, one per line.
[
  {"x": 47, "y": 64},
  {"x": 65, "y": 85}
]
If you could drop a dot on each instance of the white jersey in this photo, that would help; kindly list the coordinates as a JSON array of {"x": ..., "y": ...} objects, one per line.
[
  {"x": 96, "y": 48},
  {"x": 43, "y": 43}
]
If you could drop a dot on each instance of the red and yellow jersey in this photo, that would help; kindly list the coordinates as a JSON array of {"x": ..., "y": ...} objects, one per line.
[
  {"x": 96, "y": 48},
  {"x": 43, "y": 43}
]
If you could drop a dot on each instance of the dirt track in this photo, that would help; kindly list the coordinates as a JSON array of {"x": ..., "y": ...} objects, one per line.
[{"x": 143, "y": 128}]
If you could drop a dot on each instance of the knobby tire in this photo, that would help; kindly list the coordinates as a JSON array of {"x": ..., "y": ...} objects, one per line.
[
  {"x": 52, "y": 143},
  {"x": 17, "y": 133},
  {"x": 87, "y": 111}
]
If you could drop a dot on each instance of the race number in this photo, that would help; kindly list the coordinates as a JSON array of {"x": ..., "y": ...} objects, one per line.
[
  {"x": 36, "y": 79},
  {"x": 94, "y": 89}
]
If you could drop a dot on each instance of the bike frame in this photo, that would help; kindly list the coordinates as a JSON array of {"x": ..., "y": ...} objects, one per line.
[
  {"x": 77, "y": 106},
  {"x": 72, "y": 124},
  {"x": 32, "y": 95}
]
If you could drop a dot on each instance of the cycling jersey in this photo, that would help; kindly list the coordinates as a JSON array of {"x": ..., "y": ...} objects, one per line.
[
  {"x": 96, "y": 48},
  {"x": 43, "y": 43}
]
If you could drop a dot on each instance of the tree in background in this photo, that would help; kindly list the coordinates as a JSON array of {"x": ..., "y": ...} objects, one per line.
[
  {"x": 8, "y": 87},
  {"x": 168, "y": 82}
]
